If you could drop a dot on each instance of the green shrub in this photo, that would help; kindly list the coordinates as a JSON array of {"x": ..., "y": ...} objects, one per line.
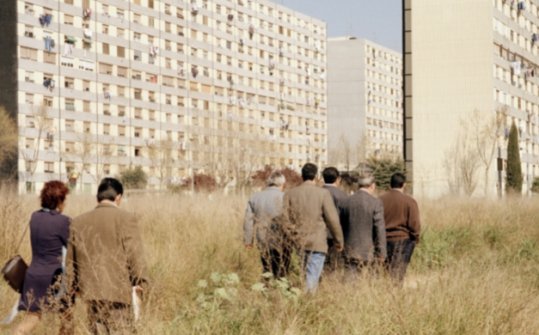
[{"x": 134, "y": 178}]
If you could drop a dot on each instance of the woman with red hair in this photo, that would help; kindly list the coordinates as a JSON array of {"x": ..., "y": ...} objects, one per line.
[{"x": 49, "y": 233}]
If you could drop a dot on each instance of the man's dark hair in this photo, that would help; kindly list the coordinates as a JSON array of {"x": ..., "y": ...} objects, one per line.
[
  {"x": 309, "y": 171},
  {"x": 330, "y": 175},
  {"x": 109, "y": 189},
  {"x": 397, "y": 180}
]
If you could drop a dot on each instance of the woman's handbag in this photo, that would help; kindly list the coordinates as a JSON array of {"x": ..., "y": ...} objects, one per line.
[{"x": 14, "y": 270}]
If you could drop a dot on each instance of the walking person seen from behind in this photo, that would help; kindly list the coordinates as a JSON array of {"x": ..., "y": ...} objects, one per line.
[
  {"x": 49, "y": 233},
  {"x": 106, "y": 261},
  {"x": 332, "y": 181},
  {"x": 401, "y": 215},
  {"x": 364, "y": 229},
  {"x": 309, "y": 211},
  {"x": 263, "y": 220}
]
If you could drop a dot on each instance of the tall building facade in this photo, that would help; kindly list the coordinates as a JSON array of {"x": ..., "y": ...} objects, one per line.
[
  {"x": 364, "y": 101},
  {"x": 470, "y": 72},
  {"x": 215, "y": 86}
]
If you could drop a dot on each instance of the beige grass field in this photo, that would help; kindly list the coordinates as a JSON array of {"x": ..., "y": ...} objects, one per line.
[{"x": 476, "y": 271}]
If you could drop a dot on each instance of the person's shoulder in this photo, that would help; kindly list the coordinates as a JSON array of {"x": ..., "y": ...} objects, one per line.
[
  {"x": 124, "y": 213},
  {"x": 409, "y": 198},
  {"x": 64, "y": 219},
  {"x": 341, "y": 193},
  {"x": 391, "y": 194},
  {"x": 82, "y": 217}
]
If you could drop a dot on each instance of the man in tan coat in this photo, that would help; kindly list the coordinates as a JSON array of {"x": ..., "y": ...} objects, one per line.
[
  {"x": 308, "y": 210},
  {"x": 105, "y": 261}
]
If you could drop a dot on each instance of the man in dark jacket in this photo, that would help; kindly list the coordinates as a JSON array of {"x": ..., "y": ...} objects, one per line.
[
  {"x": 363, "y": 228},
  {"x": 332, "y": 182},
  {"x": 401, "y": 215}
]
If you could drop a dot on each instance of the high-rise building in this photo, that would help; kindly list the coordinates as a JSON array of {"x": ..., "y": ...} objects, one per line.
[
  {"x": 215, "y": 86},
  {"x": 364, "y": 101},
  {"x": 470, "y": 72}
]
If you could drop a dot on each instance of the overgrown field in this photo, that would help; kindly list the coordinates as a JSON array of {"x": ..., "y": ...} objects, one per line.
[{"x": 476, "y": 271}]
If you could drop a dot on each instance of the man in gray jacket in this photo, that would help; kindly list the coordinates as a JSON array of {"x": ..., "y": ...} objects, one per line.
[
  {"x": 332, "y": 182},
  {"x": 308, "y": 210},
  {"x": 263, "y": 219},
  {"x": 364, "y": 228}
]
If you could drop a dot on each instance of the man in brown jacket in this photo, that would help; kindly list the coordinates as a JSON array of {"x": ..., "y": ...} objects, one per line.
[
  {"x": 105, "y": 259},
  {"x": 401, "y": 215},
  {"x": 309, "y": 209}
]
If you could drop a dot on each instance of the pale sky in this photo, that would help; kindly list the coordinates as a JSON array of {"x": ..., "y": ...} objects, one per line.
[{"x": 377, "y": 20}]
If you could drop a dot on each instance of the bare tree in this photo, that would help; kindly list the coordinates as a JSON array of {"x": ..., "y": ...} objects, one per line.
[
  {"x": 486, "y": 133},
  {"x": 85, "y": 151},
  {"x": 42, "y": 122},
  {"x": 474, "y": 147},
  {"x": 8, "y": 144},
  {"x": 461, "y": 161},
  {"x": 346, "y": 151},
  {"x": 162, "y": 155}
]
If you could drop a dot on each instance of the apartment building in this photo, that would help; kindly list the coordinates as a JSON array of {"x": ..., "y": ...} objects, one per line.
[
  {"x": 462, "y": 59},
  {"x": 214, "y": 86},
  {"x": 364, "y": 101}
]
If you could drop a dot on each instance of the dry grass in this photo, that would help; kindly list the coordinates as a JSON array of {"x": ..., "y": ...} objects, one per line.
[{"x": 476, "y": 271}]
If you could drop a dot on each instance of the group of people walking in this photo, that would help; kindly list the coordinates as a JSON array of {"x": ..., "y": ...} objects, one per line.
[
  {"x": 97, "y": 257},
  {"x": 329, "y": 228}
]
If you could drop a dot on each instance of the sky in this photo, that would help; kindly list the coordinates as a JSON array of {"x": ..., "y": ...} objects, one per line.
[{"x": 377, "y": 20}]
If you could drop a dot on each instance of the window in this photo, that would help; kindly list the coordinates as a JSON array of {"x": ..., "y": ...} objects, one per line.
[
  {"x": 122, "y": 72},
  {"x": 70, "y": 125},
  {"x": 48, "y": 167},
  {"x": 70, "y": 147},
  {"x": 69, "y": 83},
  {"x": 49, "y": 57},
  {"x": 47, "y": 101},
  {"x": 86, "y": 106},
  {"x": 29, "y": 77},
  {"x": 105, "y": 68},
  {"x": 29, "y": 98},
  {"x": 68, "y": 19},
  {"x": 28, "y": 53},
  {"x": 120, "y": 52},
  {"x": 70, "y": 104},
  {"x": 106, "y": 48},
  {"x": 29, "y": 31},
  {"x": 28, "y": 8}
]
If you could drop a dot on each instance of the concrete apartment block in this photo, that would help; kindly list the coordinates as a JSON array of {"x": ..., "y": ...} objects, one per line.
[
  {"x": 364, "y": 101},
  {"x": 463, "y": 59},
  {"x": 207, "y": 86}
]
